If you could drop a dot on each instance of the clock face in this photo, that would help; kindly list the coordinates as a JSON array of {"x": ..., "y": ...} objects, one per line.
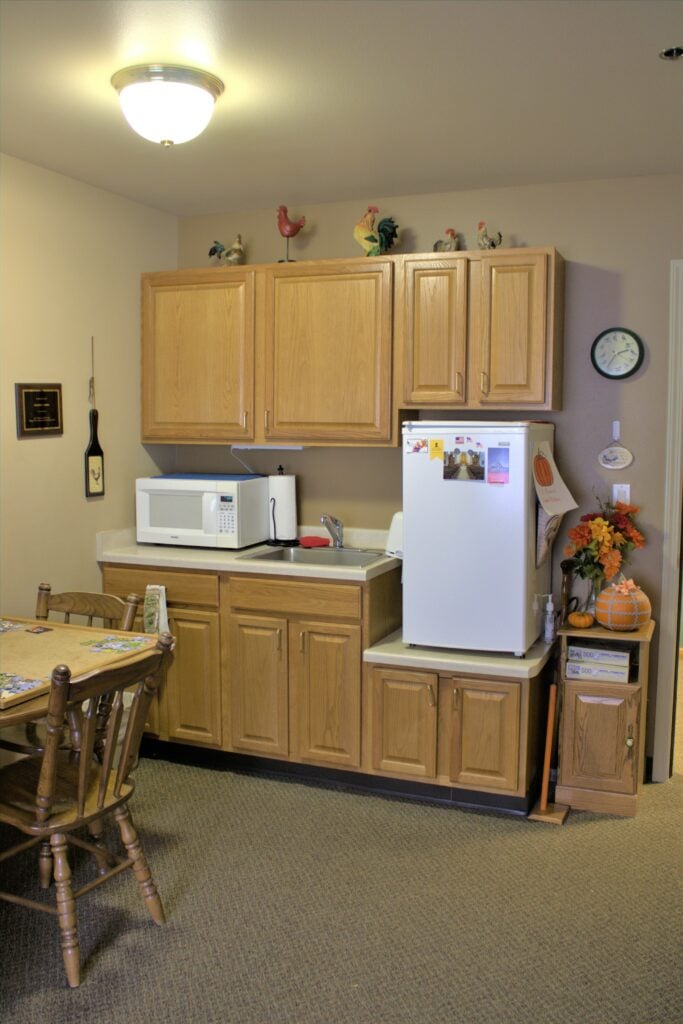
[{"x": 617, "y": 353}]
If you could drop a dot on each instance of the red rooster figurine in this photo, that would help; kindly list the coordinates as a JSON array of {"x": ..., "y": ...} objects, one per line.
[{"x": 288, "y": 228}]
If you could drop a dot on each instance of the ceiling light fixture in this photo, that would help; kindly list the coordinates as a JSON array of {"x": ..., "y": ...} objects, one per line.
[
  {"x": 167, "y": 103},
  {"x": 672, "y": 53}
]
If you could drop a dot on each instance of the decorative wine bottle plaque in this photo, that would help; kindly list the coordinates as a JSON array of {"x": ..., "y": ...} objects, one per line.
[{"x": 94, "y": 461}]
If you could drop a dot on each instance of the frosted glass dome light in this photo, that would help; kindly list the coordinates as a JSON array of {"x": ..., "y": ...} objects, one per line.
[{"x": 166, "y": 103}]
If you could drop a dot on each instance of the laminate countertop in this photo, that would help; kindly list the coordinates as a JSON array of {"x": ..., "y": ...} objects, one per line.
[
  {"x": 393, "y": 651},
  {"x": 120, "y": 547}
]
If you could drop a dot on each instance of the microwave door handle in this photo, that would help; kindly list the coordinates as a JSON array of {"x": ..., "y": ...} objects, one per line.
[{"x": 209, "y": 517}]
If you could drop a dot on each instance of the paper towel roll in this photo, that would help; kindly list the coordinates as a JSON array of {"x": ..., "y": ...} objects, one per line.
[{"x": 282, "y": 508}]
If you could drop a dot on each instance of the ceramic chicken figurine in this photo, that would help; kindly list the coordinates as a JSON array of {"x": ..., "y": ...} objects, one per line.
[
  {"x": 450, "y": 244},
  {"x": 375, "y": 241},
  {"x": 486, "y": 241},
  {"x": 288, "y": 228},
  {"x": 234, "y": 255}
]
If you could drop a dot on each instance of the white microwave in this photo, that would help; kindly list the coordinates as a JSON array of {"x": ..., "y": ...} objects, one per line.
[{"x": 201, "y": 510}]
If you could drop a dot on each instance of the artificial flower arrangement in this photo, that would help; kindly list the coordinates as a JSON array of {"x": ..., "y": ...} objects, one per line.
[{"x": 601, "y": 543}]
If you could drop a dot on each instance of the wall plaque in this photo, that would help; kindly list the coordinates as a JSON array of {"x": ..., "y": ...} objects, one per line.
[{"x": 39, "y": 409}]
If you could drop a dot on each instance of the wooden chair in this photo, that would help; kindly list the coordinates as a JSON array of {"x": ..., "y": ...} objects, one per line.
[{"x": 53, "y": 794}]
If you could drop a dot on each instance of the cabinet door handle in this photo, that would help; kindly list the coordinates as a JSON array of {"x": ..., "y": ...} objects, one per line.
[
  {"x": 458, "y": 383},
  {"x": 302, "y": 641},
  {"x": 630, "y": 742},
  {"x": 484, "y": 382},
  {"x": 245, "y": 420},
  {"x": 266, "y": 415},
  {"x": 430, "y": 696},
  {"x": 278, "y": 639},
  {"x": 456, "y": 698}
]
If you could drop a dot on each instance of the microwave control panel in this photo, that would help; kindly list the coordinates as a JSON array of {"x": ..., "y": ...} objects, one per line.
[{"x": 227, "y": 513}]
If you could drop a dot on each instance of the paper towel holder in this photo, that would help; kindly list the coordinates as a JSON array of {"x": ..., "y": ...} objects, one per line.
[{"x": 274, "y": 541}]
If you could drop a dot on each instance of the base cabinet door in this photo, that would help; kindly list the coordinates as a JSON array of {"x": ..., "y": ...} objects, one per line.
[
  {"x": 484, "y": 734},
  {"x": 599, "y": 747},
  {"x": 404, "y": 722},
  {"x": 259, "y": 684},
  {"x": 192, "y": 696},
  {"x": 325, "y": 693}
]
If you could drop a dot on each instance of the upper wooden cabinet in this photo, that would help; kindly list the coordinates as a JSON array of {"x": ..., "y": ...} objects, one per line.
[
  {"x": 328, "y": 339},
  {"x": 434, "y": 317},
  {"x": 481, "y": 330},
  {"x": 341, "y": 345},
  {"x": 198, "y": 355}
]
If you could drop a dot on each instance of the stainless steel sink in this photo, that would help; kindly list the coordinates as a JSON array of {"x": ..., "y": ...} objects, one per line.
[{"x": 317, "y": 556}]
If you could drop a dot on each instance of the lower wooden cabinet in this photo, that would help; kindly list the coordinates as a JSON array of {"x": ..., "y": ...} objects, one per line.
[
  {"x": 259, "y": 682},
  {"x": 469, "y": 733},
  {"x": 188, "y": 708}
]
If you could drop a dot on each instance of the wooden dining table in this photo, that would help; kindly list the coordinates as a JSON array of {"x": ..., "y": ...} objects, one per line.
[{"x": 31, "y": 648}]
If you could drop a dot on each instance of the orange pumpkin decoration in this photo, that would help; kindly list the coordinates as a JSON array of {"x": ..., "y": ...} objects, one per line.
[
  {"x": 542, "y": 470},
  {"x": 622, "y": 609},
  {"x": 580, "y": 620}
]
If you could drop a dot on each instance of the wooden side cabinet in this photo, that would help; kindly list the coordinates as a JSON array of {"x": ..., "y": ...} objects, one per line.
[{"x": 602, "y": 725}]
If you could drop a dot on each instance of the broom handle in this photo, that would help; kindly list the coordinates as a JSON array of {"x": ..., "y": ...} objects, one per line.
[{"x": 552, "y": 700}]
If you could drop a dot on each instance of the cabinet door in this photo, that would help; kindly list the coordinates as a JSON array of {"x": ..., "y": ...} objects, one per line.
[
  {"x": 328, "y": 352},
  {"x": 599, "y": 738},
  {"x": 484, "y": 734},
  {"x": 258, "y": 684},
  {"x": 325, "y": 693},
  {"x": 198, "y": 356},
  {"x": 191, "y": 698},
  {"x": 404, "y": 722},
  {"x": 435, "y": 332},
  {"x": 511, "y": 368}
]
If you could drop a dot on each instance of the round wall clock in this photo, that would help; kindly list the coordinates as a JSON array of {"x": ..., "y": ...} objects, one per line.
[{"x": 617, "y": 353}]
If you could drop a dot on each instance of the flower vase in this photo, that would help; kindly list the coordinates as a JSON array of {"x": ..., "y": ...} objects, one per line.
[{"x": 596, "y": 585}]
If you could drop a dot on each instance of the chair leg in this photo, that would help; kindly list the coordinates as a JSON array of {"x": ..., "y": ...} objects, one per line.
[
  {"x": 66, "y": 910},
  {"x": 45, "y": 864},
  {"x": 148, "y": 889},
  {"x": 103, "y": 858}
]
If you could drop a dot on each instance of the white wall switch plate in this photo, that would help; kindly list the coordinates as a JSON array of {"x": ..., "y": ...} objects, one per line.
[{"x": 621, "y": 492}]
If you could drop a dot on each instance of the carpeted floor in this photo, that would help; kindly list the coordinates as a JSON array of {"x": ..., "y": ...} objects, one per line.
[{"x": 290, "y": 903}]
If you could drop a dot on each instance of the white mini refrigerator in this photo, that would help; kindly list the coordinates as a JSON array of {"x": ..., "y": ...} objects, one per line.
[{"x": 470, "y": 579}]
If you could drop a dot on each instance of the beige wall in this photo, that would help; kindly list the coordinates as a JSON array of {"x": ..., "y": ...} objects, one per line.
[{"x": 70, "y": 264}]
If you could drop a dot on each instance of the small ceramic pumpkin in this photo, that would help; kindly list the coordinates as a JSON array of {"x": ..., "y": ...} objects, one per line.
[
  {"x": 623, "y": 607},
  {"x": 580, "y": 620},
  {"x": 542, "y": 470}
]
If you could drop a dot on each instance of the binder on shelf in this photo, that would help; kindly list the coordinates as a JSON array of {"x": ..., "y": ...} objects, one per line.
[
  {"x": 606, "y": 655},
  {"x": 596, "y": 671}
]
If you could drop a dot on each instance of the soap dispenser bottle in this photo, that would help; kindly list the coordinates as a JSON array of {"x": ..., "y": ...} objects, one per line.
[{"x": 549, "y": 621}]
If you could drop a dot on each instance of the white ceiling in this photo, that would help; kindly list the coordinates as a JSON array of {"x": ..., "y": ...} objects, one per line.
[{"x": 328, "y": 100}]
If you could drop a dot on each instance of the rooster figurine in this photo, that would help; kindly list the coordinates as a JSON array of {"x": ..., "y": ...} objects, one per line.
[
  {"x": 234, "y": 255},
  {"x": 450, "y": 244},
  {"x": 375, "y": 242},
  {"x": 288, "y": 228},
  {"x": 484, "y": 240}
]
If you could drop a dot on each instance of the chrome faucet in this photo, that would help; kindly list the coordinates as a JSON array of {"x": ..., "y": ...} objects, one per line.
[{"x": 335, "y": 528}]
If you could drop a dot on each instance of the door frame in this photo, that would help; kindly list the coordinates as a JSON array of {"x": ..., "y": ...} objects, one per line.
[{"x": 671, "y": 565}]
